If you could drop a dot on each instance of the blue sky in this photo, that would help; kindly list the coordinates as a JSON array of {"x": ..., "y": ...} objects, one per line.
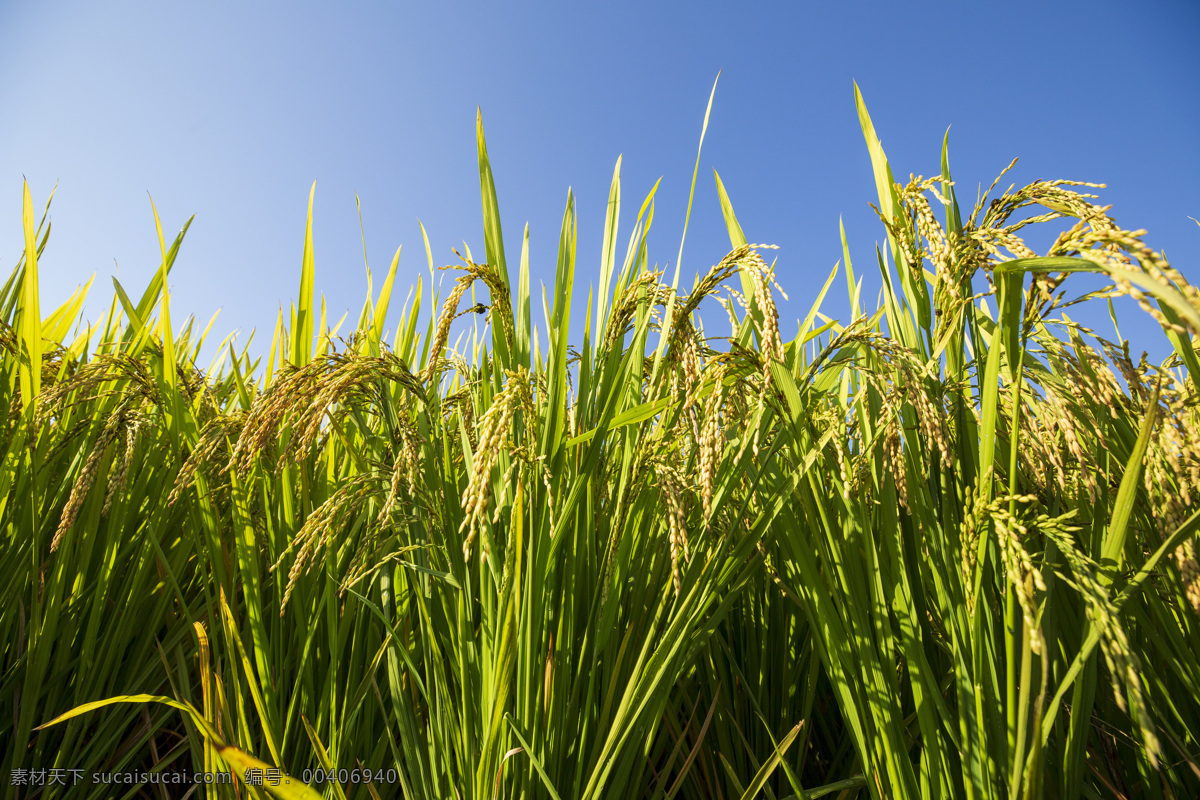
[{"x": 230, "y": 111}]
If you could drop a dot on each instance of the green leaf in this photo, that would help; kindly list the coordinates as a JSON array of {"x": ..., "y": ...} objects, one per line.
[
  {"x": 1112, "y": 554},
  {"x": 492, "y": 236},
  {"x": 760, "y": 779},
  {"x": 286, "y": 790},
  {"x": 31, "y": 314},
  {"x": 302, "y": 333}
]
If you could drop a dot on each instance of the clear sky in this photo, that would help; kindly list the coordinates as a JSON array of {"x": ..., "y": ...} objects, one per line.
[{"x": 229, "y": 111}]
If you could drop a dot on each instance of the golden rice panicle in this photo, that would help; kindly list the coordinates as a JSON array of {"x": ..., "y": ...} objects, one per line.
[
  {"x": 1124, "y": 666},
  {"x": 894, "y": 451},
  {"x": 1078, "y": 463},
  {"x": 493, "y": 434},
  {"x": 670, "y": 485},
  {"x": 1172, "y": 476},
  {"x": 936, "y": 245},
  {"x": 929, "y": 241},
  {"x": 442, "y": 331},
  {"x": 625, "y": 307},
  {"x": 893, "y": 459},
  {"x": 118, "y": 479},
  {"x": 501, "y": 298},
  {"x": 994, "y": 238},
  {"x": 340, "y": 375},
  {"x": 1189, "y": 572},
  {"x": 214, "y": 437},
  {"x": 715, "y": 277},
  {"x": 771, "y": 343},
  {"x": 1099, "y": 239},
  {"x": 931, "y": 420},
  {"x": 87, "y": 476},
  {"x": 1022, "y": 575},
  {"x": 906, "y": 383},
  {"x": 326, "y": 520},
  {"x": 292, "y": 389},
  {"x": 692, "y": 367},
  {"x": 339, "y": 378},
  {"x": 548, "y": 484},
  {"x": 712, "y": 442},
  {"x": 974, "y": 516},
  {"x": 405, "y": 470},
  {"x": 762, "y": 278}
]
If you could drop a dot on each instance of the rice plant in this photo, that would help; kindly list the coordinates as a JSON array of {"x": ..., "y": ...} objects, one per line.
[{"x": 945, "y": 548}]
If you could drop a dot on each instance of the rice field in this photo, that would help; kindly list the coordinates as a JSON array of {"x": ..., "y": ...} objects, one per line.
[{"x": 942, "y": 548}]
